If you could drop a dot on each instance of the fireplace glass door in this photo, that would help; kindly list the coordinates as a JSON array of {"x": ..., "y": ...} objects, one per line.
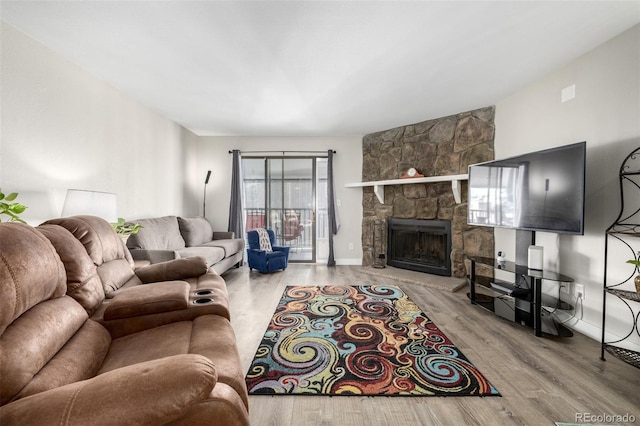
[{"x": 420, "y": 245}]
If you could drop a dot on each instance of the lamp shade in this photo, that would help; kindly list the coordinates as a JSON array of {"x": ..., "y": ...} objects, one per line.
[{"x": 94, "y": 203}]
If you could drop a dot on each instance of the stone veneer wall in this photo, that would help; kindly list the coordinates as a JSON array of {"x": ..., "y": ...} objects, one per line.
[{"x": 443, "y": 146}]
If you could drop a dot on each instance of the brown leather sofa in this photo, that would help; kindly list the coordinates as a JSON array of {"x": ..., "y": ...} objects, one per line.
[
  {"x": 64, "y": 361},
  {"x": 116, "y": 264},
  {"x": 101, "y": 266}
]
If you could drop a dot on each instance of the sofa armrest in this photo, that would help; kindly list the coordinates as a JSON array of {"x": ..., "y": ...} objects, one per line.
[
  {"x": 137, "y": 264},
  {"x": 152, "y": 392},
  {"x": 148, "y": 299},
  {"x": 153, "y": 256},
  {"x": 223, "y": 235},
  {"x": 177, "y": 269}
]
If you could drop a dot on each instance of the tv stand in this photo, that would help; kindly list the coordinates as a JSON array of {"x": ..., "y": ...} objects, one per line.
[{"x": 520, "y": 299}]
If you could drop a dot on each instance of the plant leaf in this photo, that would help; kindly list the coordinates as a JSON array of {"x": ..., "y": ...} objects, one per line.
[{"x": 17, "y": 208}]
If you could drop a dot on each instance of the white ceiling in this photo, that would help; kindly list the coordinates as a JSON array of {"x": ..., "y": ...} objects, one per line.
[{"x": 318, "y": 68}]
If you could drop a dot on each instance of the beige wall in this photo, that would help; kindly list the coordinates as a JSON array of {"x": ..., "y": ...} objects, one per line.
[
  {"x": 213, "y": 154},
  {"x": 63, "y": 128},
  {"x": 606, "y": 113}
]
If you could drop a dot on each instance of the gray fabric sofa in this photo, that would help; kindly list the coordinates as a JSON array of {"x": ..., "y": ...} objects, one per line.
[{"x": 172, "y": 237}]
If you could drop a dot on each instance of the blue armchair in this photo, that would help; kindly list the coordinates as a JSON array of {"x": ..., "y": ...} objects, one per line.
[{"x": 265, "y": 261}]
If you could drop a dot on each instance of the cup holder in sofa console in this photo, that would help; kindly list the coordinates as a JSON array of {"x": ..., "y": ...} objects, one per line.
[
  {"x": 202, "y": 301},
  {"x": 203, "y": 292}
]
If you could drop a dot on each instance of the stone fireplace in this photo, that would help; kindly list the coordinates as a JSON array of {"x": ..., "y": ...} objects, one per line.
[{"x": 439, "y": 147}]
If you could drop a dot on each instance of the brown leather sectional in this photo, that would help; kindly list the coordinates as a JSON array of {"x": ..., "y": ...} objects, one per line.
[{"x": 161, "y": 351}]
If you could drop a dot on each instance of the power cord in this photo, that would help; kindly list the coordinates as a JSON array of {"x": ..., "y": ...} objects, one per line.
[{"x": 572, "y": 315}]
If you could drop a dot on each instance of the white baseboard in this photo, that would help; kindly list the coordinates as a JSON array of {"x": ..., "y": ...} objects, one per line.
[
  {"x": 350, "y": 262},
  {"x": 344, "y": 262},
  {"x": 593, "y": 332}
]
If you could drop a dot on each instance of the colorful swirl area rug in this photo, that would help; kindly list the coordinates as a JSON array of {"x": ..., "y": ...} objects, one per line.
[{"x": 358, "y": 340}]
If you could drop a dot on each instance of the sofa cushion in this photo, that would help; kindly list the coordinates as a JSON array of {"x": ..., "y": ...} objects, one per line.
[
  {"x": 158, "y": 233},
  {"x": 209, "y": 335},
  {"x": 79, "y": 359},
  {"x": 100, "y": 240},
  {"x": 230, "y": 247},
  {"x": 148, "y": 299},
  {"x": 18, "y": 271},
  {"x": 171, "y": 390},
  {"x": 104, "y": 246},
  {"x": 115, "y": 275},
  {"x": 212, "y": 255},
  {"x": 83, "y": 282},
  {"x": 195, "y": 230},
  {"x": 34, "y": 340}
]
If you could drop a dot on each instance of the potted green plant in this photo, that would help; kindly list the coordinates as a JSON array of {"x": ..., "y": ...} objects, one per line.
[
  {"x": 10, "y": 208},
  {"x": 124, "y": 228},
  {"x": 637, "y": 278}
]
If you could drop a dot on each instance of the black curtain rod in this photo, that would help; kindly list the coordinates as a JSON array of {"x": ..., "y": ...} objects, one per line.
[{"x": 294, "y": 152}]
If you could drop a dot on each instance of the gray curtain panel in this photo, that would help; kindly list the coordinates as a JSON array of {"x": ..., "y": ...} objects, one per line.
[
  {"x": 334, "y": 223},
  {"x": 236, "y": 222}
]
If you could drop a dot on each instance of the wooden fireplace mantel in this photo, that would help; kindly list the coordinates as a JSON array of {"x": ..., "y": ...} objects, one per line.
[{"x": 378, "y": 185}]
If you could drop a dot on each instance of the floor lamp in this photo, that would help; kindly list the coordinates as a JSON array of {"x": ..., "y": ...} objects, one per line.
[{"x": 204, "y": 198}]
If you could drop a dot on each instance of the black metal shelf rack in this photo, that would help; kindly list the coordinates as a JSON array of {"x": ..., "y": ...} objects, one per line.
[
  {"x": 624, "y": 230},
  {"x": 528, "y": 304}
]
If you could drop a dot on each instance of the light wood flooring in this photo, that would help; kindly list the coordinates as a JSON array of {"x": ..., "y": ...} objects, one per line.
[{"x": 542, "y": 380}]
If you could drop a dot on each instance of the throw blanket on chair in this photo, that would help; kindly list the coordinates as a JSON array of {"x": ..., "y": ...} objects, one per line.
[{"x": 265, "y": 243}]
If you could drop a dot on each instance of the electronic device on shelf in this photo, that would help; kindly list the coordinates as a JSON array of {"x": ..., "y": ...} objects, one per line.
[{"x": 538, "y": 191}]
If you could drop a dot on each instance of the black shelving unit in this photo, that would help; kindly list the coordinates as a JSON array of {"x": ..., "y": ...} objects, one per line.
[
  {"x": 625, "y": 231},
  {"x": 520, "y": 300}
]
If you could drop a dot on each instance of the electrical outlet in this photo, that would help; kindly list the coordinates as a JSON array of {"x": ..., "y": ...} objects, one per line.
[
  {"x": 350, "y": 246},
  {"x": 579, "y": 290}
]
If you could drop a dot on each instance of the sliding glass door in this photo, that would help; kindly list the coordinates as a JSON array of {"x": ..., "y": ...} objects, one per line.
[{"x": 281, "y": 193}]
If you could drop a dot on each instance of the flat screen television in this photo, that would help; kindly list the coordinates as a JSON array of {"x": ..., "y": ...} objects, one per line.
[{"x": 538, "y": 191}]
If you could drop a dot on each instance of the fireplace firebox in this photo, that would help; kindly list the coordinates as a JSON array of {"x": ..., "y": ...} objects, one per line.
[{"x": 420, "y": 245}]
